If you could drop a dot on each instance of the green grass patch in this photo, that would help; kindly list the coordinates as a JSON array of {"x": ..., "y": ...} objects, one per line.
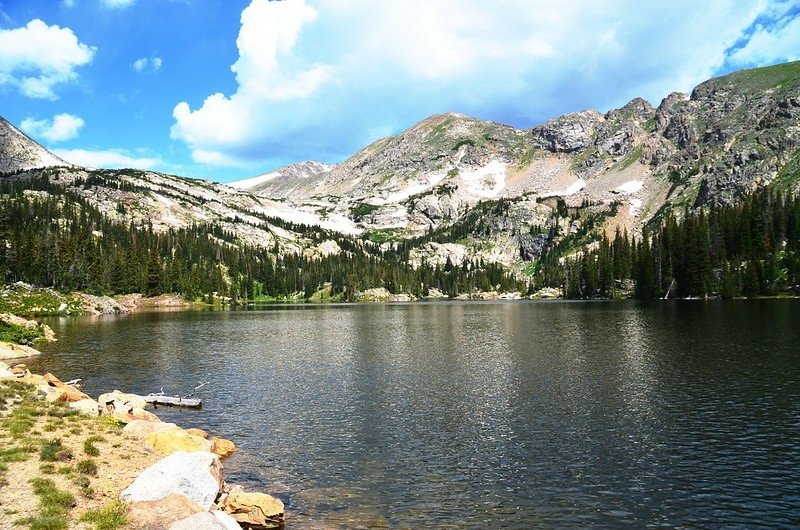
[
  {"x": 51, "y": 451},
  {"x": 87, "y": 467},
  {"x": 363, "y": 209},
  {"x": 19, "y": 334},
  {"x": 110, "y": 517},
  {"x": 54, "y": 506},
  {"x": 89, "y": 446},
  {"x": 14, "y": 454}
]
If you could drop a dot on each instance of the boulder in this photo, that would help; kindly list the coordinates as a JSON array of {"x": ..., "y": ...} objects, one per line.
[
  {"x": 142, "y": 414},
  {"x": 120, "y": 402},
  {"x": 222, "y": 448},
  {"x": 197, "y": 475},
  {"x": 207, "y": 521},
  {"x": 60, "y": 391},
  {"x": 255, "y": 510},
  {"x": 161, "y": 513},
  {"x": 198, "y": 432},
  {"x": 141, "y": 429},
  {"x": 87, "y": 407},
  {"x": 166, "y": 442}
]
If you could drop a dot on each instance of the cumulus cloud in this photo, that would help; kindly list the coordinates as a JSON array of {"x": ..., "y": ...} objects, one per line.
[
  {"x": 774, "y": 39},
  {"x": 61, "y": 128},
  {"x": 107, "y": 159},
  {"x": 324, "y": 77},
  {"x": 37, "y": 57},
  {"x": 146, "y": 64}
]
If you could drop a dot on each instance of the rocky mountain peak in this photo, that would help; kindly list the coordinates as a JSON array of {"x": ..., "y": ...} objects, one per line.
[
  {"x": 568, "y": 133},
  {"x": 19, "y": 152}
]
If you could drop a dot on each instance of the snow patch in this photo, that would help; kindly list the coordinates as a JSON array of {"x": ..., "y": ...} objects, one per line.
[
  {"x": 630, "y": 187},
  {"x": 246, "y": 184},
  {"x": 635, "y": 206},
  {"x": 486, "y": 181},
  {"x": 572, "y": 189}
]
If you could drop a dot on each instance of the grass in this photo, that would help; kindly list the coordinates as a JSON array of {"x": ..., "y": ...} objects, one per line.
[
  {"x": 110, "y": 517},
  {"x": 87, "y": 467},
  {"x": 26, "y": 301},
  {"x": 54, "y": 451},
  {"x": 88, "y": 445},
  {"x": 54, "y": 506},
  {"x": 19, "y": 334}
]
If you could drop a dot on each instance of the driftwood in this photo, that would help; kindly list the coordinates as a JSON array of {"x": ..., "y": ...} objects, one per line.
[
  {"x": 159, "y": 398},
  {"x": 174, "y": 401}
]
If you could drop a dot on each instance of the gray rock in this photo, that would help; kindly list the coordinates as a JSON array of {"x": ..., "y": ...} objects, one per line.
[{"x": 197, "y": 475}]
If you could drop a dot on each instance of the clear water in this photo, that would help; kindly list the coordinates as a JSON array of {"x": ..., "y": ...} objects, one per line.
[{"x": 491, "y": 415}]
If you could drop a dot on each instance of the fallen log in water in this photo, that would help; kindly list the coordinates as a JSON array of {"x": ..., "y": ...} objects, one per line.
[{"x": 174, "y": 401}]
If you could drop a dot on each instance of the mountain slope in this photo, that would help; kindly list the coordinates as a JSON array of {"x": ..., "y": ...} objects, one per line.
[{"x": 19, "y": 152}]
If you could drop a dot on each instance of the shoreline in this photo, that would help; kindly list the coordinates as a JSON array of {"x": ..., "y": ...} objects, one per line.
[{"x": 132, "y": 463}]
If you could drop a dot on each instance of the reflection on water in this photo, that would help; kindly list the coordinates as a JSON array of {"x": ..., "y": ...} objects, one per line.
[{"x": 503, "y": 415}]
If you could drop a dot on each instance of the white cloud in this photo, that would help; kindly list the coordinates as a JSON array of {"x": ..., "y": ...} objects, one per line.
[
  {"x": 144, "y": 64},
  {"x": 36, "y": 57},
  {"x": 69, "y": 4},
  {"x": 107, "y": 159},
  {"x": 324, "y": 75},
  {"x": 61, "y": 128},
  {"x": 118, "y": 4},
  {"x": 773, "y": 43}
]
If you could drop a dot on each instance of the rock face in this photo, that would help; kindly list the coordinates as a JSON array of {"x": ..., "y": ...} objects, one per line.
[
  {"x": 254, "y": 510},
  {"x": 197, "y": 476},
  {"x": 569, "y": 133}
]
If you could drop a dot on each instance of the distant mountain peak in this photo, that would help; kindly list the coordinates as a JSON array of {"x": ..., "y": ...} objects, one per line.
[{"x": 19, "y": 152}]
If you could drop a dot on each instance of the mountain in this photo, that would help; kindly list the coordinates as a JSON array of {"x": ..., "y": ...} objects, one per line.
[
  {"x": 733, "y": 135},
  {"x": 283, "y": 181},
  {"x": 471, "y": 203},
  {"x": 19, "y": 152}
]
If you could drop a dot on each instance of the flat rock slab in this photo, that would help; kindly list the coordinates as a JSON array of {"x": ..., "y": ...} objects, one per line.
[
  {"x": 161, "y": 513},
  {"x": 197, "y": 475}
]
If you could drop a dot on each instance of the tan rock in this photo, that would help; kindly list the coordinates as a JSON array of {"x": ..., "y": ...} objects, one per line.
[
  {"x": 166, "y": 442},
  {"x": 221, "y": 447},
  {"x": 160, "y": 514},
  {"x": 9, "y": 350},
  {"x": 256, "y": 510},
  {"x": 198, "y": 432},
  {"x": 141, "y": 429},
  {"x": 62, "y": 391},
  {"x": 6, "y": 372},
  {"x": 142, "y": 414}
]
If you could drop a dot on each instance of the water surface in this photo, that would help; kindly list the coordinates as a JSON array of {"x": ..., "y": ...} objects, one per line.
[{"x": 494, "y": 415}]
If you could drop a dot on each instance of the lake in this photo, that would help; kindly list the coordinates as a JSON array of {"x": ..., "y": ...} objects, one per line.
[{"x": 491, "y": 415}]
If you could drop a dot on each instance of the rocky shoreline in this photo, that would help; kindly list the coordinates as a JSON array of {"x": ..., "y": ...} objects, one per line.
[{"x": 160, "y": 475}]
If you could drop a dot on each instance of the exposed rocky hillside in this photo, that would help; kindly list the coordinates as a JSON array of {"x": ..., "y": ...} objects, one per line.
[{"x": 20, "y": 152}]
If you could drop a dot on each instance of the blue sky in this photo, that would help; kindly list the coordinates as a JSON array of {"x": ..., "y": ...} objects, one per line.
[{"x": 227, "y": 89}]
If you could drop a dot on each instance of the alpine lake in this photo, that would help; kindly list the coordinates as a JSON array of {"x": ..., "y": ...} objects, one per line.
[{"x": 480, "y": 415}]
